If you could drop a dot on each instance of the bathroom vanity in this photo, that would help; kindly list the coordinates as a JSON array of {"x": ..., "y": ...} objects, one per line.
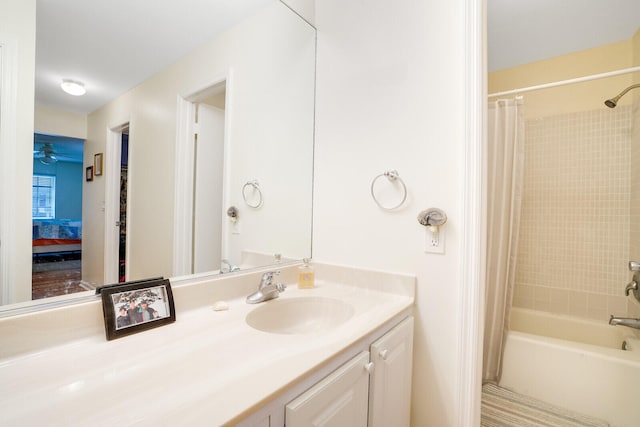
[
  {"x": 373, "y": 385},
  {"x": 342, "y": 349}
]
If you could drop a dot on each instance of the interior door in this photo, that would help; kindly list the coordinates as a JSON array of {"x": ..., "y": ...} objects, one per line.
[{"x": 207, "y": 210}]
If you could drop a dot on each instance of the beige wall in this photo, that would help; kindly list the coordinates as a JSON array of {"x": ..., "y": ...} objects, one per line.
[
  {"x": 571, "y": 98},
  {"x": 63, "y": 123},
  {"x": 635, "y": 47},
  {"x": 577, "y": 228}
]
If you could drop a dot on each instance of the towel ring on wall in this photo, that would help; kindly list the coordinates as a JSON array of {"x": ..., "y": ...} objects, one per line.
[
  {"x": 392, "y": 175},
  {"x": 256, "y": 188}
]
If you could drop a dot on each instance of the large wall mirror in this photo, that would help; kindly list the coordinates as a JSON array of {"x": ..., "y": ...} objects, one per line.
[{"x": 202, "y": 164}]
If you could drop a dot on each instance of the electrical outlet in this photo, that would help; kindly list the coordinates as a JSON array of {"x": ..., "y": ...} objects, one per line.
[{"x": 434, "y": 240}]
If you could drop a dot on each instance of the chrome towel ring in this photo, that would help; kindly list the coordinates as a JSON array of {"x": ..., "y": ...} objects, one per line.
[
  {"x": 256, "y": 189},
  {"x": 392, "y": 176}
]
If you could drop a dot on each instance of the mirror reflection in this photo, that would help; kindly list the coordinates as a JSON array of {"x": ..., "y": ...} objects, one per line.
[
  {"x": 227, "y": 124},
  {"x": 56, "y": 208}
]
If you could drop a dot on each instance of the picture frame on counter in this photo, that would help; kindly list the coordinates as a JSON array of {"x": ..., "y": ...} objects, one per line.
[{"x": 133, "y": 307}]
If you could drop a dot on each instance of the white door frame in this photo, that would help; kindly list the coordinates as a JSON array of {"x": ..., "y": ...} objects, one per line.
[
  {"x": 113, "y": 151},
  {"x": 8, "y": 143},
  {"x": 184, "y": 171},
  {"x": 473, "y": 201}
]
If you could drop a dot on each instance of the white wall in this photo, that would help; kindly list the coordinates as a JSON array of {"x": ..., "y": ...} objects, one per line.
[
  {"x": 304, "y": 8},
  {"x": 390, "y": 83},
  {"x": 17, "y": 33}
]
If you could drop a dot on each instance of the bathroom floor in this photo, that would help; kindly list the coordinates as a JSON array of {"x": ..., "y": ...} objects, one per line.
[{"x": 502, "y": 407}]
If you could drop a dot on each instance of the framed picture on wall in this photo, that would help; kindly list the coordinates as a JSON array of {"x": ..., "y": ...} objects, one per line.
[
  {"x": 134, "y": 307},
  {"x": 97, "y": 164},
  {"x": 89, "y": 173}
]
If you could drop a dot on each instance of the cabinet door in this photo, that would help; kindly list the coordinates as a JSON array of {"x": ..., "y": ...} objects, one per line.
[
  {"x": 339, "y": 400},
  {"x": 390, "y": 388}
]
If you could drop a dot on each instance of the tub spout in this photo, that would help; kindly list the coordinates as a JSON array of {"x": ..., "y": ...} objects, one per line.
[{"x": 625, "y": 321}]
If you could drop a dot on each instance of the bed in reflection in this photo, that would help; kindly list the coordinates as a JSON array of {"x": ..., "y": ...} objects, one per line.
[
  {"x": 51, "y": 236},
  {"x": 56, "y": 257}
]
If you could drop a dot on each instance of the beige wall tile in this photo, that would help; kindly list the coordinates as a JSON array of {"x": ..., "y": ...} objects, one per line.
[{"x": 577, "y": 211}]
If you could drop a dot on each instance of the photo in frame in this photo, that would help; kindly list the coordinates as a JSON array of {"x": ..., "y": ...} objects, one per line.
[
  {"x": 89, "y": 173},
  {"x": 97, "y": 164},
  {"x": 134, "y": 307}
]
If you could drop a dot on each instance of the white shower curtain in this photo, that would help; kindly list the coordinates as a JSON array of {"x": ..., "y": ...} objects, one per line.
[{"x": 505, "y": 161}]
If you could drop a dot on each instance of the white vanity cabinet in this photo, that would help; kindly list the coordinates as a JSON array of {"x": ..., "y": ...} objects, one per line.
[
  {"x": 341, "y": 399},
  {"x": 390, "y": 382},
  {"x": 372, "y": 388}
]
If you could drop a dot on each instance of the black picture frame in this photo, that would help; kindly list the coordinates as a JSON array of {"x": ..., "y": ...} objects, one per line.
[
  {"x": 147, "y": 304},
  {"x": 89, "y": 173}
]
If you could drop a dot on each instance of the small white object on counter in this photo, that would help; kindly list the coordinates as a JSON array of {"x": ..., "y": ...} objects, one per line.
[{"x": 220, "y": 306}]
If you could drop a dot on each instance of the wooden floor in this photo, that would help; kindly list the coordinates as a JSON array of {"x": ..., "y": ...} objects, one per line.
[{"x": 56, "y": 282}]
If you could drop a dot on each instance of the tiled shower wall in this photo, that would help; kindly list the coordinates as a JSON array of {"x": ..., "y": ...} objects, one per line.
[
  {"x": 634, "y": 219},
  {"x": 575, "y": 227}
]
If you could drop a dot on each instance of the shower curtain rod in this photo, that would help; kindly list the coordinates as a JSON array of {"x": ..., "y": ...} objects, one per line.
[{"x": 566, "y": 82}]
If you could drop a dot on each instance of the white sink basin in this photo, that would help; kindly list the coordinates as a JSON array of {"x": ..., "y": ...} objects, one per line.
[{"x": 305, "y": 315}]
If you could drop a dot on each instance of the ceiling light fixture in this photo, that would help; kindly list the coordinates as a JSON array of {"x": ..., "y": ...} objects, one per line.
[{"x": 73, "y": 88}]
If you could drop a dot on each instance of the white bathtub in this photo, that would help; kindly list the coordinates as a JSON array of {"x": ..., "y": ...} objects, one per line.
[{"x": 576, "y": 364}]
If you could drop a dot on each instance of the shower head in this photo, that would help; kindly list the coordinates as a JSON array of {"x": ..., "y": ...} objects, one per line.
[{"x": 611, "y": 103}]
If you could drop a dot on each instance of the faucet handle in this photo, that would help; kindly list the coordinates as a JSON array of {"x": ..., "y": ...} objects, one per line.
[
  {"x": 634, "y": 266},
  {"x": 267, "y": 277},
  {"x": 632, "y": 286}
]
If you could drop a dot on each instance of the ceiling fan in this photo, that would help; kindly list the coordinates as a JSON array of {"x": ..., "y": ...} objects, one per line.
[
  {"x": 46, "y": 154},
  {"x": 50, "y": 149}
]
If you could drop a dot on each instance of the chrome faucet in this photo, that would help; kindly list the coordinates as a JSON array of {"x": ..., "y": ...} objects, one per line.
[
  {"x": 227, "y": 267},
  {"x": 625, "y": 321},
  {"x": 267, "y": 289}
]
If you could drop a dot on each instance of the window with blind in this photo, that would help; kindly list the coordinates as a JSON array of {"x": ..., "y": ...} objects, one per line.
[{"x": 44, "y": 196}]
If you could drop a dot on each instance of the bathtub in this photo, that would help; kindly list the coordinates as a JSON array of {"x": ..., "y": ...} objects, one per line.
[{"x": 576, "y": 364}]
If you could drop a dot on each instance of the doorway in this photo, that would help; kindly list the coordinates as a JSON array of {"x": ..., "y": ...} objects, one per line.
[
  {"x": 201, "y": 149},
  {"x": 117, "y": 194},
  {"x": 56, "y": 215},
  {"x": 124, "y": 184},
  {"x": 208, "y": 180}
]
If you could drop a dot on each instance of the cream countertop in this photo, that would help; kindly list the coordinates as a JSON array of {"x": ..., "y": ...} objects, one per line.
[{"x": 207, "y": 368}]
